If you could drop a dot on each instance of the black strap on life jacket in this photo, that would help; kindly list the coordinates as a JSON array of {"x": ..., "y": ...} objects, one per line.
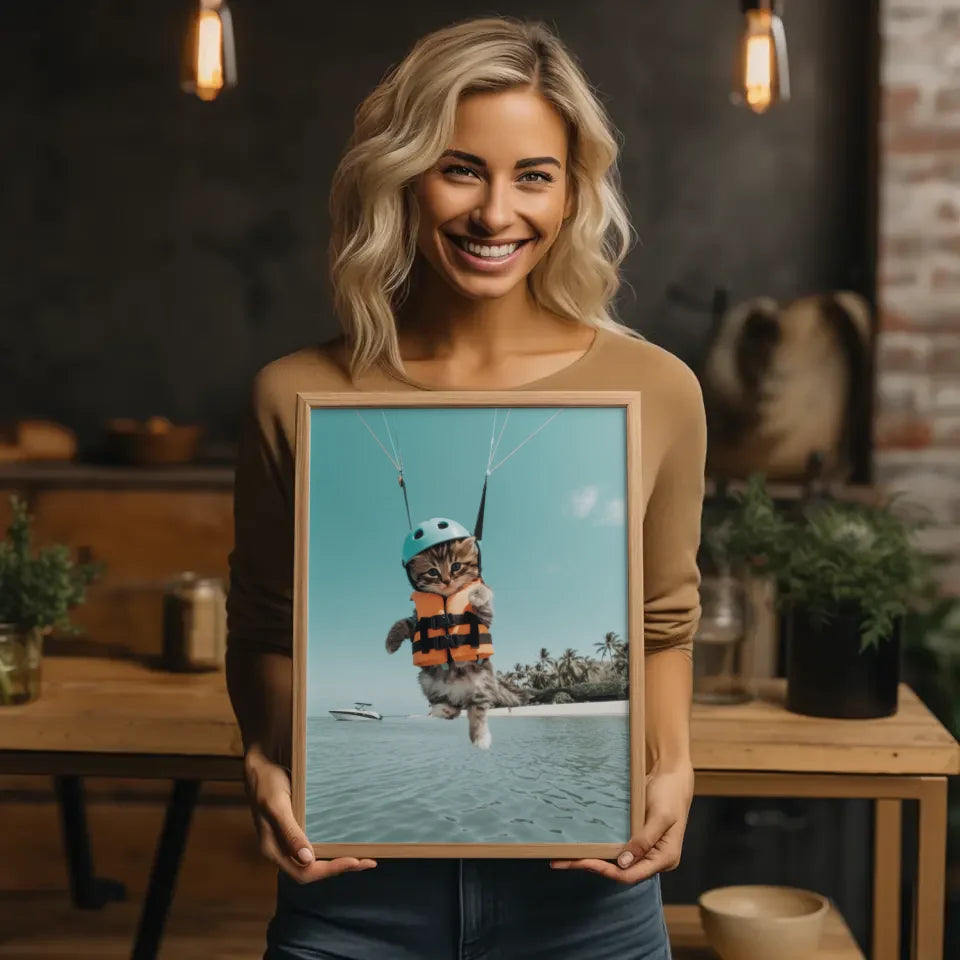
[
  {"x": 440, "y": 621},
  {"x": 423, "y": 643},
  {"x": 426, "y": 644}
]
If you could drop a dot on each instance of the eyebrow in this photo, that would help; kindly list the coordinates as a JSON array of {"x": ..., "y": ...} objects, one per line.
[{"x": 519, "y": 165}]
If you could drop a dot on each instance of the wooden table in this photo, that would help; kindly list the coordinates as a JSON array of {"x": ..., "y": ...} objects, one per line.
[
  {"x": 759, "y": 749},
  {"x": 119, "y": 718}
]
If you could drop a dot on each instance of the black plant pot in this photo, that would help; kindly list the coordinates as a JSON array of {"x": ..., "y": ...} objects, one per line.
[{"x": 829, "y": 676}]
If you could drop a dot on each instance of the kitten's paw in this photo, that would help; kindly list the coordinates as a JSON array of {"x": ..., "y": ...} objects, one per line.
[
  {"x": 481, "y": 596},
  {"x": 399, "y": 632},
  {"x": 444, "y": 711},
  {"x": 481, "y": 599},
  {"x": 484, "y": 739}
]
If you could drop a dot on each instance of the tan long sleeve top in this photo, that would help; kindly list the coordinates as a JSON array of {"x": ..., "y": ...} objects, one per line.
[{"x": 673, "y": 450}]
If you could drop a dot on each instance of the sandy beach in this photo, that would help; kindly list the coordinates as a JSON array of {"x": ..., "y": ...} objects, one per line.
[{"x": 598, "y": 708}]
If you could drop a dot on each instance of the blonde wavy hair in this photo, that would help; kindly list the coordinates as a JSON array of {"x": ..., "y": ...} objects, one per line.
[{"x": 400, "y": 131}]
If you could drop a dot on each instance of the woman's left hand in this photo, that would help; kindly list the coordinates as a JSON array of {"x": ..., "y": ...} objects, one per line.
[{"x": 657, "y": 846}]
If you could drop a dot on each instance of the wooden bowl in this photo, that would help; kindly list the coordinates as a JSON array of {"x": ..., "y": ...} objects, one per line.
[
  {"x": 153, "y": 441},
  {"x": 763, "y": 922}
]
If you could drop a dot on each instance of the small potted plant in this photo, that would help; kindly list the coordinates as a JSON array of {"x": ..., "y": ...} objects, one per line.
[
  {"x": 37, "y": 591},
  {"x": 847, "y": 573}
]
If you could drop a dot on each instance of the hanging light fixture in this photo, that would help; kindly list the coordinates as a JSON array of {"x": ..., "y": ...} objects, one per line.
[
  {"x": 210, "y": 59},
  {"x": 762, "y": 76}
]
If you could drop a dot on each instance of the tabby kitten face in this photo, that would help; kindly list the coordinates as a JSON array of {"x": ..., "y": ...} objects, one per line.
[{"x": 447, "y": 567}]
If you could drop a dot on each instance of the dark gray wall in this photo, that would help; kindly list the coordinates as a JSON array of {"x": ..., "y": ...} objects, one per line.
[{"x": 156, "y": 250}]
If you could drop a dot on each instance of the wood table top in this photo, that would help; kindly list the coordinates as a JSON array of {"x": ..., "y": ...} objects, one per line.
[
  {"x": 143, "y": 716},
  {"x": 99, "y": 706},
  {"x": 762, "y": 735}
]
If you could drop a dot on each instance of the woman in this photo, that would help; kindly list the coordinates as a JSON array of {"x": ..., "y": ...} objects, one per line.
[{"x": 477, "y": 233}]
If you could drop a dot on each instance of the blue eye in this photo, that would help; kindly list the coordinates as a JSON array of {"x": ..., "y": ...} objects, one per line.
[
  {"x": 434, "y": 572},
  {"x": 455, "y": 567}
]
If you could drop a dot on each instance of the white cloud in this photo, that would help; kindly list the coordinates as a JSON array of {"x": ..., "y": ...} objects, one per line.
[
  {"x": 613, "y": 513},
  {"x": 583, "y": 501}
]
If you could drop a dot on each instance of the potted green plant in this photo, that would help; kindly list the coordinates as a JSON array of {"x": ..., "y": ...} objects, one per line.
[
  {"x": 37, "y": 592},
  {"x": 846, "y": 574}
]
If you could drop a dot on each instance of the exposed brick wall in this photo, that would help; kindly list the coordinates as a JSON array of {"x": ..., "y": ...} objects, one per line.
[{"x": 917, "y": 430}]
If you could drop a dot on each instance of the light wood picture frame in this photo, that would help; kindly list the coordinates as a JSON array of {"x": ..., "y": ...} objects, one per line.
[{"x": 560, "y": 547}]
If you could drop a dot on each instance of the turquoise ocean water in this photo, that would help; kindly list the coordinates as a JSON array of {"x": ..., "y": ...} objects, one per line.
[{"x": 419, "y": 780}]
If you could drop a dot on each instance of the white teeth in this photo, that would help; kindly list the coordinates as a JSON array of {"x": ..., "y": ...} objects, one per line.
[{"x": 481, "y": 250}]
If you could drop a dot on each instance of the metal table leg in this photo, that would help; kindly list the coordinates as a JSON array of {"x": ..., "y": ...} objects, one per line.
[
  {"x": 87, "y": 891},
  {"x": 166, "y": 864}
]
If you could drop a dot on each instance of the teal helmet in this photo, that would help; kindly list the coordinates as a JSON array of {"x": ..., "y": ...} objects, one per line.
[{"x": 429, "y": 534}]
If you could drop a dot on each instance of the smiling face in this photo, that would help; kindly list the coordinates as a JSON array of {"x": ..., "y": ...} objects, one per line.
[{"x": 494, "y": 203}]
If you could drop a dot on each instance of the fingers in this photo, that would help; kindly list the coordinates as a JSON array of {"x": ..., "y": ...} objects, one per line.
[
  {"x": 602, "y": 867},
  {"x": 655, "y": 827},
  {"x": 273, "y": 803},
  {"x": 662, "y": 856},
  {"x": 313, "y": 871},
  {"x": 290, "y": 839},
  {"x": 282, "y": 840},
  {"x": 288, "y": 845},
  {"x": 655, "y": 862}
]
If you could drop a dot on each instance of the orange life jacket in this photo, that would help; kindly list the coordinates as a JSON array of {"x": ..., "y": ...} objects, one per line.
[{"x": 448, "y": 627}]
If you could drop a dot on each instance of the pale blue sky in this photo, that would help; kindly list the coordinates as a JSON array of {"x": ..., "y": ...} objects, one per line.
[{"x": 554, "y": 537}]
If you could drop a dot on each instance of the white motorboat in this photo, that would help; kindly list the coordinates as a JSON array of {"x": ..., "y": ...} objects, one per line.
[{"x": 360, "y": 711}]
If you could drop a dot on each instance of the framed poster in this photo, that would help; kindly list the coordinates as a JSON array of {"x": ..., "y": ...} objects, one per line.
[{"x": 468, "y": 625}]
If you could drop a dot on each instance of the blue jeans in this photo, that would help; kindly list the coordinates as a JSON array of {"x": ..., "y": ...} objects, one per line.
[{"x": 467, "y": 910}]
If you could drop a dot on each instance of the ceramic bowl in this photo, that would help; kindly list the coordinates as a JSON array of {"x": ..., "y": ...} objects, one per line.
[{"x": 763, "y": 922}]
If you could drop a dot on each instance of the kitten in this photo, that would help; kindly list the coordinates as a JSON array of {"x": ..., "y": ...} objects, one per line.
[{"x": 446, "y": 569}]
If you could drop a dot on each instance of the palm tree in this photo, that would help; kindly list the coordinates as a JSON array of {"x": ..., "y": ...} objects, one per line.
[
  {"x": 608, "y": 646},
  {"x": 584, "y": 666},
  {"x": 570, "y": 666},
  {"x": 621, "y": 658},
  {"x": 593, "y": 669},
  {"x": 544, "y": 671},
  {"x": 520, "y": 675}
]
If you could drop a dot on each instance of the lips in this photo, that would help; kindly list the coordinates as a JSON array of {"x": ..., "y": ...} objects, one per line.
[{"x": 478, "y": 261}]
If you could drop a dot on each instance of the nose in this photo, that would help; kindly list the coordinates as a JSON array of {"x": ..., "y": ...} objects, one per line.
[{"x": 494, "y": 213}]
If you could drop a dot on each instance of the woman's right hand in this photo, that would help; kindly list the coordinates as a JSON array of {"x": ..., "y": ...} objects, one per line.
[{"x": 281, "y": 839}]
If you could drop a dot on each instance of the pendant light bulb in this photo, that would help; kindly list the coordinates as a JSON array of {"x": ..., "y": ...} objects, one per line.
[
  {"x": 210, "y": 61},
  {"x": 762, "y": 76}
]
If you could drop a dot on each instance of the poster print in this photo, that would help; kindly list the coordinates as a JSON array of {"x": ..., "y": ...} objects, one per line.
[{"x": 468, "y": 624}]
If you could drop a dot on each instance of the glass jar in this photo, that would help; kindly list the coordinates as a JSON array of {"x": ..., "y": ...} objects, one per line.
[
  {"x": 20, "y": 656},
  {"x": 194, "y": 623},
  {"x": 719, "y": 661}
]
